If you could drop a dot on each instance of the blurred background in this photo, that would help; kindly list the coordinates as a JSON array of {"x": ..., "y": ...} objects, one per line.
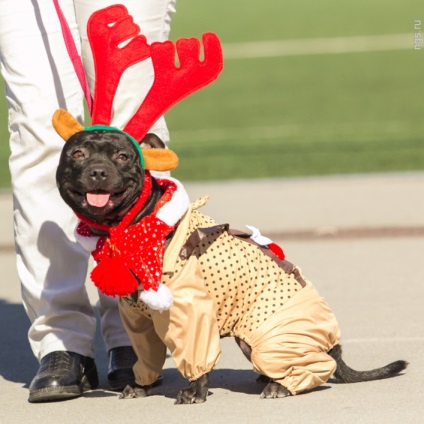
[{"x": 308, "y": 88}]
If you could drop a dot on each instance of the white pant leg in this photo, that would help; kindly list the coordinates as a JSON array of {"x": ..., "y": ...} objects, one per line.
[
  {"x": 39, "y": 79},
  {"x": 154, "y": 18},
  {"x": 52, "y": 267}
]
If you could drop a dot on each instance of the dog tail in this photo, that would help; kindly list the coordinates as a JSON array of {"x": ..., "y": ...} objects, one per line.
[{"x": 345, "y": 374}]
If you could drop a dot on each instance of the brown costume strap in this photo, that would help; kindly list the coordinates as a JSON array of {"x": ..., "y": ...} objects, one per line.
[
  {"x": 197, "y": 236},
  {"x": 200, "y": 233}
]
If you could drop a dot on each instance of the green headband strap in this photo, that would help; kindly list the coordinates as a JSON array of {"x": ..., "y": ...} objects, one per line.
[{"x": 107, "y": 128}]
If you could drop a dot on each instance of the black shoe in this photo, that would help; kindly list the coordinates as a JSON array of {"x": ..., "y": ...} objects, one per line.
[
  {"x": 120, "y": 370},
  {"x": 63, "y": 375}
]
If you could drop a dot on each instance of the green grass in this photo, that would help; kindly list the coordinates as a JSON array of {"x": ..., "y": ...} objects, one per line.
[
  {"x": 240, "y": 20},
  {"x": 298, "y": 115},
  {"x": 304, "y": 116}
]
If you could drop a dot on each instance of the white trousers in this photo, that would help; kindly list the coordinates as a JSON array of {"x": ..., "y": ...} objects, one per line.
[{"x": 39, "y": 79}]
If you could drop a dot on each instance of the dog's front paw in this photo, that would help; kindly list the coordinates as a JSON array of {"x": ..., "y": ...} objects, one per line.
[
  {"x": 195, "y": 393},
  {"x": 274, "y": 390},
  {"x": 133, "y": 392}
]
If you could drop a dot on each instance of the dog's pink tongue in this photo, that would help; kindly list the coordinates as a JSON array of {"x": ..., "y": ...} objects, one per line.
[{"x": 98, "y": 200}]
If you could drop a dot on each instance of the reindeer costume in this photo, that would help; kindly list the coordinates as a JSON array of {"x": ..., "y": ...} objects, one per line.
[{"x": 213, "y": 282}]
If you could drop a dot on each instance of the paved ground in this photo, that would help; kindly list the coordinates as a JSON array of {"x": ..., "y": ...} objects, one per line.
[{"x": 372, "y": 278}]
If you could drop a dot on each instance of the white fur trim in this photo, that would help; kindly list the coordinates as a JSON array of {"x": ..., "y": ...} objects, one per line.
[
  {"x": 173, "y": 211},
  {"x": 160, "y": 300},
  {"x": 88, "y": 243},
  {"x": 257, "y": 237}
]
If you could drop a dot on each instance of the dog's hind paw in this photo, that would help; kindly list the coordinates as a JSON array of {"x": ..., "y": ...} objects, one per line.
[
  {"x": 133, "y": 392},
  {"x": 274, "y": 390},
  {"x": 195, "y": 393}
]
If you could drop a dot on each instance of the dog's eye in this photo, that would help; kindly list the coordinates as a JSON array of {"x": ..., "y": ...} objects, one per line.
[
  {"x": 78, "y": 154},
  {"x": 122, "y": 156}
]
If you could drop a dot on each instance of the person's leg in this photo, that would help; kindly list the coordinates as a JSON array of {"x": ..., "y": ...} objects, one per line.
[
  {"x": 52, "y": 267},
  {"x": 154, "y": 19}
]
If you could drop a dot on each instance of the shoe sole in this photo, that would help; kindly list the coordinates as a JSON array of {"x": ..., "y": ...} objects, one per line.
[
  {"x": 89, "y": 381},
  {"x": 54, "y": 393}
]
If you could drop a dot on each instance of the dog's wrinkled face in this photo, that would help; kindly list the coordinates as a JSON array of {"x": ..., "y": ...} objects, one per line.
[{"x": 100, "y": 175}]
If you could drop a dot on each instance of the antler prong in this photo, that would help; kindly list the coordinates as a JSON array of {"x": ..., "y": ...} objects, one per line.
[
  {"x": 171, "y": 83},
  {"x": 107, "y": 30}
]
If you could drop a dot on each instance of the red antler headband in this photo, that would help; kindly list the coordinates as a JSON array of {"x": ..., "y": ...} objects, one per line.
[
  {"x": 117, "y": 44},
  {"x": 108, "y": 29}
]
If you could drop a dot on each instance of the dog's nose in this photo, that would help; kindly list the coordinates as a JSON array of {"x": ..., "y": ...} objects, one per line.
[{"x": 98, "y": 173}]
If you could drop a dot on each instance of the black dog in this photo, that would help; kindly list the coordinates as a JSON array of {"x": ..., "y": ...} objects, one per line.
[{"x": 100, "y": 177}]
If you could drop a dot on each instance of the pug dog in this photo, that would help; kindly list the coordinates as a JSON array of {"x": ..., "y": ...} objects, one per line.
[{"x": 222, "y": 282}]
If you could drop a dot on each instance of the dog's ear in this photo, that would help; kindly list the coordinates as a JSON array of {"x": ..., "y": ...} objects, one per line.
[
  {"x": 156, "y": 157},
  {"x": 152, "y": 141},
  {"x": 65, "y": 124}
]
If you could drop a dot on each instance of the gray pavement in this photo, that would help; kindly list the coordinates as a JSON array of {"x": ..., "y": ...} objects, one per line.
[{"x": 373, "y": 282}]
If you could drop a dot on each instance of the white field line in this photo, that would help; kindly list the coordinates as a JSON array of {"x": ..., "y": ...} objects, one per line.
[
  {"x": 312, "y": 46},
  {"x": 247, "y": 133},
  {"x": 284, "y": 131}
]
